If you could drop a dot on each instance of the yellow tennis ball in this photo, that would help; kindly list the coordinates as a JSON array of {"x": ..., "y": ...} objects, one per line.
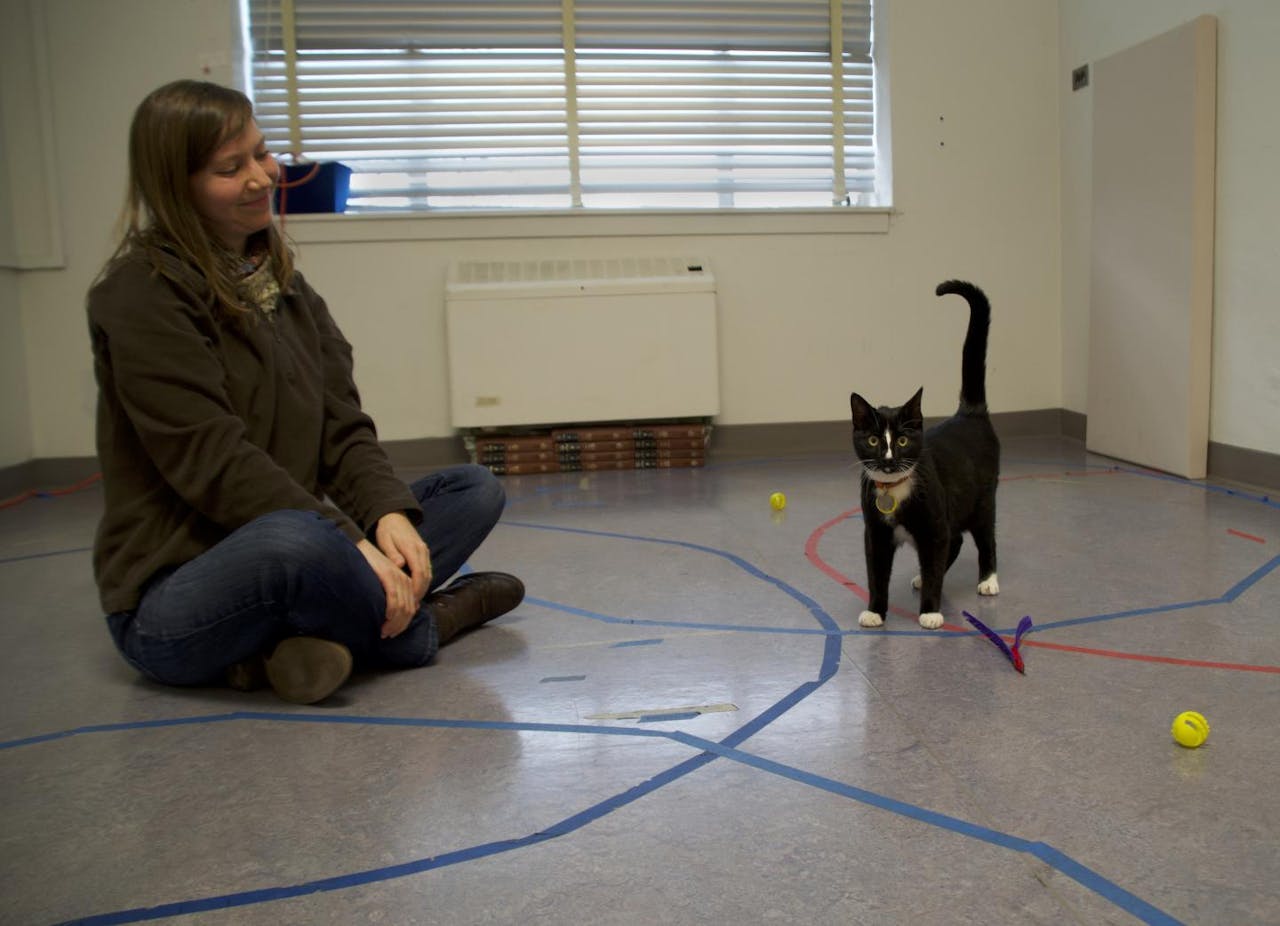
[
  {"x": 778, "y": 501},
  {"x": 1190, "y": 729}
]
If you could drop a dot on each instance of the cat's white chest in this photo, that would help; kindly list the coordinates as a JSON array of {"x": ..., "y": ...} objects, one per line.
[{"x": 901, "y": 535}]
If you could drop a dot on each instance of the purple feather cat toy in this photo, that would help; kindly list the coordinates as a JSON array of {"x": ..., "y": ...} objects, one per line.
[{"x": 1015, "y": 657}]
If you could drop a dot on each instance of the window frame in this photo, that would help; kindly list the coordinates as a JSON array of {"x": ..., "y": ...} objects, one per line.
[{"x": 708, "y": 216}]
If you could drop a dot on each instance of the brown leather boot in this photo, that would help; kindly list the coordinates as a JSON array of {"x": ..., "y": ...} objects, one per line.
[
  {"x": 249, "y": 675},
  {"x": 305, "y": 670},
  {"x": 471, "y": 600}
]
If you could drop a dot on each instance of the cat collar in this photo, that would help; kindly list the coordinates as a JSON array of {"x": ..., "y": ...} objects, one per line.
[{"x": 885, "y": 501}]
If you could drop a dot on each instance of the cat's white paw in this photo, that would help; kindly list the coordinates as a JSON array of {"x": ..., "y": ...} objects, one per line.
[
  {"x": 931, "y": 621},
  {"x": 989, "y": 586},
  {"x": 870, "y": 619},
  {"x": 917, "y": 582}
]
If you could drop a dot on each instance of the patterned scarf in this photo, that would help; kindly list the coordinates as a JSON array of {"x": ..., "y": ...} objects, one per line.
[{"x": 256, "y": 283}]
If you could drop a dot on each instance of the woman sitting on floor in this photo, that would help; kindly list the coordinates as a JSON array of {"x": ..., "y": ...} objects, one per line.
[{"x": 254, "y": 529}]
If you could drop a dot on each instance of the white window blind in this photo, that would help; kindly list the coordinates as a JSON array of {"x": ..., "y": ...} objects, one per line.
[{"x": 559, "y": 104}]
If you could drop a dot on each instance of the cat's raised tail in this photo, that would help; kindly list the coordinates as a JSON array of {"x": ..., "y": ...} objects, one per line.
[{"x": 973, "y": 364}]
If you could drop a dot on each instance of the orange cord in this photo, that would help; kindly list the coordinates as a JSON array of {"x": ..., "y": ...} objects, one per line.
[
  {"x": 285, "y": 185},
  {"x": 46, "y": 493}
]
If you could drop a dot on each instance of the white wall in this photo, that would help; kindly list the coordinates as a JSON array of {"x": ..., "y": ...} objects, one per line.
[
  {"x": 804, "y": 318},
  {"x": 29, "y": 233},
  {"x": 1245, "y": 405},
  {"x": 102, "y": 58}
]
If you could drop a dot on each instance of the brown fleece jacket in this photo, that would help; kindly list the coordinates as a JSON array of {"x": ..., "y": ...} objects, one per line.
[{"x": 205, "y": 424}]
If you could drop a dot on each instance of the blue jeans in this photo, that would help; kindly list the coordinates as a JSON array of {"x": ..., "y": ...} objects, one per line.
[{"x": 295, "y": 572}]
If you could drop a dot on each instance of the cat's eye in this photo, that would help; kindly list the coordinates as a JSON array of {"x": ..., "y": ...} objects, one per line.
[
  {"x": 902, "y": 442},
  {"x": 873, "y": 442}
]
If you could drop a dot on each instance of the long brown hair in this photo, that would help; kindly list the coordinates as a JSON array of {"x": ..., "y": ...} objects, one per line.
[{"x": 175, "y": 132}]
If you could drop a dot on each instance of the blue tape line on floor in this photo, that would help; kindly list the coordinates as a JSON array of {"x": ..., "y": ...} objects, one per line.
[
  {"x": 1193, "y": 484},
  {"x": 1250, "y": 580},
  {"x": 1057, "y": 860},
  {"x": 658, "y": 718},
  {"x": 707, "y": 750},
  {"x": 1101, "y": 886},
  {"x": 725, "y": 749},
  {"x": 277, "y": 717},
  {"x": 1227, "y": 597},
  {"x": 824, "y": 619},
  {"x": 18, "y": 559},
  {"x": 1135, "y": 612},
  {"x": 745, "y": 628},
  {"x": 340, "y": 882}
]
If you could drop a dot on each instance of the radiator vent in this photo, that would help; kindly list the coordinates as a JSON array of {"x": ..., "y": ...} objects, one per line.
[
  {"x": 486, "y": 272},
  {"x": 581, "y": 340}
]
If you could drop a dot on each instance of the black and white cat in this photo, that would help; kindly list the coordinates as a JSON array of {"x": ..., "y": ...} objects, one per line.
[{"x": 928, "y": 487}]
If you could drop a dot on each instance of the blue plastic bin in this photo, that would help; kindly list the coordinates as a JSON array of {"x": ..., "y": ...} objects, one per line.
[{"x": 325, "y": 192}]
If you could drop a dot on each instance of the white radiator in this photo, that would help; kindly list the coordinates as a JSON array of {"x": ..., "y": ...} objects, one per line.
[{"x": 576, "y": 341}]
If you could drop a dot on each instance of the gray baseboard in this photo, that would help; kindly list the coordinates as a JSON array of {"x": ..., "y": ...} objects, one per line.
[
  {"x": 1228, "y": 463},
  {"x": 59, "y": 472},
  {"x": 1074, "y": 425},
  {"x": 425, "y": 452},
  {"x": 1239, "y": 464},
  {"x": 746, "y": 440},
  {"x": 44, "y": 475},
  {"x": 736, "y": 441}
]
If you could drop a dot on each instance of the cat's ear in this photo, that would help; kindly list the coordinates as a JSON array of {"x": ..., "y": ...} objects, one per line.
[
  {"x": 864, "y": 416},
  {"x": 911, "y": 413}
]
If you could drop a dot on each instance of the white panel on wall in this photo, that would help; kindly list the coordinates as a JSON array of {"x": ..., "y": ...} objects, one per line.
[{"x": 1151, "y": 288}]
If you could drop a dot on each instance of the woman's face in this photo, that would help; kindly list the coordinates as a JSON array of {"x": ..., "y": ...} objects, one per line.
[{"x": 232, "y": 192}]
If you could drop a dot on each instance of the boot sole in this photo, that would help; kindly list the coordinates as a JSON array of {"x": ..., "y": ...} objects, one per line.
[{"x": 304, "y": 670}]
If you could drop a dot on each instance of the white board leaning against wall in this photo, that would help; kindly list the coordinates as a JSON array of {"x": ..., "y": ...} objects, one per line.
[{"x": 1151, "y": 286}]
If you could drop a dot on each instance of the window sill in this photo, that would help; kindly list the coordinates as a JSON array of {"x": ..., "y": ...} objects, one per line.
[{"x": 329, "y": 228}]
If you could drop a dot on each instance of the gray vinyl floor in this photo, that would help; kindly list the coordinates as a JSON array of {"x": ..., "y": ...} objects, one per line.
[{"x": 684, "y": 724}]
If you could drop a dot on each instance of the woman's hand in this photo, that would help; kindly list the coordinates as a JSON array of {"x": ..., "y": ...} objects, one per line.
[
  {"x": 402, "y": 601},
  {"x": 401, "y": 543}
]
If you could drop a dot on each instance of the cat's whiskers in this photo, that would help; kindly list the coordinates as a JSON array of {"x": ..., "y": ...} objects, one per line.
[{"x": 888, "y": 476}]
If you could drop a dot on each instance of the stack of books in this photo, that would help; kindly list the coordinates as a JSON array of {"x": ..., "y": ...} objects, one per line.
[{"x": 632, "y": 445}]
